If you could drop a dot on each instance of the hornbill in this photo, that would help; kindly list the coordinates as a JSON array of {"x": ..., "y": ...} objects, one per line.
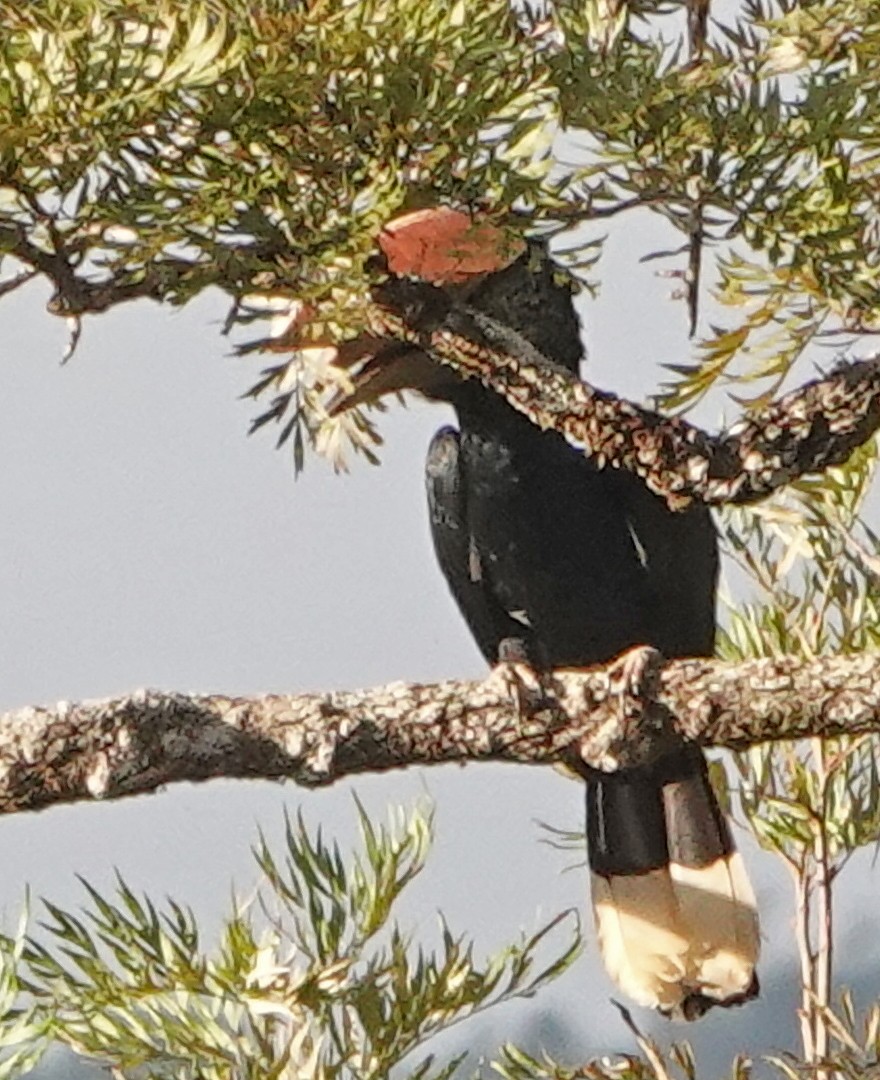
[{"x": 558, "y": 563}]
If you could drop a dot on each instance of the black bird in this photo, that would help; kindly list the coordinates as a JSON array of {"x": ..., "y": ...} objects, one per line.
[{"x": 562, "y": 564}]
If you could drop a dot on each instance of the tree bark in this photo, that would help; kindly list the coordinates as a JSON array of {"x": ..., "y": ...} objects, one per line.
[
  {"x": 808, "y": 430},
  {"x": 604, "y": 718}
]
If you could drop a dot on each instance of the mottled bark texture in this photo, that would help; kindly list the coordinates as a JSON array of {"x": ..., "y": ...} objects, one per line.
[
  {"x": 602, "y": 718},
  {"x": 806, "y": 431}
]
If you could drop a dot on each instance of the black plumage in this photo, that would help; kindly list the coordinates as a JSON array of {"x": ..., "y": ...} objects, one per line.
[
  {"x": 554, "y": 560},
  {"x": 557, "y": 562}
]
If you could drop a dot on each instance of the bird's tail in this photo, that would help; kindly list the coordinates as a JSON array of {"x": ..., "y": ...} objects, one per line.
[{"x": 675, "y": 913}]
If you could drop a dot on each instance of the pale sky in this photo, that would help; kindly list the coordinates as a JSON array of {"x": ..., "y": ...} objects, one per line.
[{"x": 145, "y": 541}]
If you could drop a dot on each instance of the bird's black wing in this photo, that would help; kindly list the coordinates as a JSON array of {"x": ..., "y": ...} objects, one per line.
[
  {"x": 679, "y": 554},
  {"x": 463, "y": 563}
]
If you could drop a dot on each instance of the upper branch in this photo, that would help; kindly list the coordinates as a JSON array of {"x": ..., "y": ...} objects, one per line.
[
  {"x": 593, "y": 718},
  {"x": 808, "y": 430}
]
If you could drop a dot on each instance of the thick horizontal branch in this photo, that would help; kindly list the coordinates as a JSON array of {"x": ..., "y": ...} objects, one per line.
[
  {"x": 806, "y": 431},
  {"x": 135, "y": 744}
]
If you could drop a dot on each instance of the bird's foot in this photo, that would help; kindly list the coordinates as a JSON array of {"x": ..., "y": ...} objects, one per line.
[
  {"x": 515, "y": 677},
  {"x": 632, "y": 677}
]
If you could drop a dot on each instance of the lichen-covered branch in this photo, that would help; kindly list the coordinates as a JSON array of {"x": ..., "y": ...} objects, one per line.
[
  {"x": 806, "y": 431},
  {"x": 594, "y": 718}
]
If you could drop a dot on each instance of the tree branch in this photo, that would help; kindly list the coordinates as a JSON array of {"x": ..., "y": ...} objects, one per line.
[
  {"x": 808, "y": 430},
  {"x": 594, "y": 718}
]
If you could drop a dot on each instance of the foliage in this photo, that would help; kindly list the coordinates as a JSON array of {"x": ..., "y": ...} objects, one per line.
[
  {"x": 312, "y": 978},
  {"x": 24, "y": 1029},
  {"x": 814, "y": 561},
  {"x": 676, "y": 1064},
  {"x": 252, "y": 147},
  {"x": 157, "y": 150},
  {"x": 160, "y": 150}
]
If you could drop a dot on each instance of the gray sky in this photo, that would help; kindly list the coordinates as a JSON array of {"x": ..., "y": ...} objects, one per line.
[{"x": 145, "y": 541}]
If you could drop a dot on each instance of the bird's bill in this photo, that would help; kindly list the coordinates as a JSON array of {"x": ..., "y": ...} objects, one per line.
[{"x": 390, "y": 369}]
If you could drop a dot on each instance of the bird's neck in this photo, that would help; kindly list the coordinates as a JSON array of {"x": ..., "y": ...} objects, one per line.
[{"x": 483, "y": 412}]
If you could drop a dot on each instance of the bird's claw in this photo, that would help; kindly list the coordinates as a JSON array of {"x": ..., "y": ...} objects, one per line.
[
  {"x": 515, "y": 677},
  {"x": 633, "y": 674}
]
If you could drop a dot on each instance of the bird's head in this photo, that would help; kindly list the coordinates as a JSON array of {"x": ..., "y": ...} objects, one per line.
[{"x": 442, "y": 257}]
